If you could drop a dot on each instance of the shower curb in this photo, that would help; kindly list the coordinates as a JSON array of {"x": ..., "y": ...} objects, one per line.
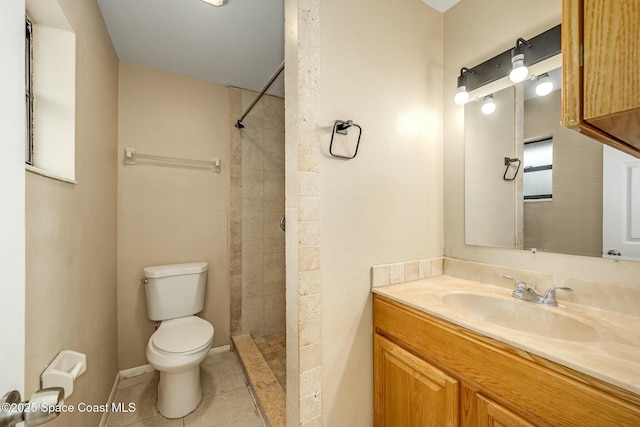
[{"x": 269, "y": 394}]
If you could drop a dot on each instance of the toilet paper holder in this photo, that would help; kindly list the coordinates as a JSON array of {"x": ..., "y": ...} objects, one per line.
[{"x": 65, "y": 368}]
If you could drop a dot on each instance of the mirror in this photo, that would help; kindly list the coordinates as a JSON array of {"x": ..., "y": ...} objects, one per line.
[{"x": 532, "y": 184}]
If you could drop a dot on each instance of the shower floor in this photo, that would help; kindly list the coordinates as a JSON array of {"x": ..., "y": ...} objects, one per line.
[{"x": 274, "y": 350}]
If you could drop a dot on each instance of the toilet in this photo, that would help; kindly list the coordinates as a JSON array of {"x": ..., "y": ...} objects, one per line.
[{"x": 175, "y": 293}]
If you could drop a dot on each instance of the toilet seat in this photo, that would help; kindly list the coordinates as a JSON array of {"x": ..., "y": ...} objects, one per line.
[{"x": 185, "y": 335}]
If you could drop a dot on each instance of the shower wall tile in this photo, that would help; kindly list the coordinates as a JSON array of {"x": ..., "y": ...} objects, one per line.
[
  {"x": 255, "y": 223},
  {"x": 274, "y": 113},
  {"x": 235, "y": 265},
  {"x": 252, "y": 274},
  {"x": 273, "y": 146},
  {"x": 274, "y": 273},
  {"x": 235, "y": 229},
  {"x": 235, "y": 213},
  {"x": 252, "y": 190},
  {"x": 274, "y": 313},
  {"x": 252, "y": 231},
  {"x": 274, "y": 237},
  {"x": 255, "y": 119},
  {"x": 274, "y": 191},
  {"x": 253, "y": 315},
  {"x": 252, "y": 148}
]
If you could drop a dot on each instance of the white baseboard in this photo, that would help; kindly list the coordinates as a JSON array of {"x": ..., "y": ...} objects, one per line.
[{"x": 145, "y": 369}]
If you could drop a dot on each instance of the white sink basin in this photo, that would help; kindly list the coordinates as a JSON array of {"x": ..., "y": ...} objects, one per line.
[{"x": 522, "y": 316}]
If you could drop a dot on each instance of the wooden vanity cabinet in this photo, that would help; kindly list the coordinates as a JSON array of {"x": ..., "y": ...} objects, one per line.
[
  {"x": 601, "y": 84},
  {"x": 429, "y": 372}
]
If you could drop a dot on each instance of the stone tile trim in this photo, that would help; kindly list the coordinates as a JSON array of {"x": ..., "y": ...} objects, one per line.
[
  {"x": 391, "y": 274},
  {"x": 271, "y": 397}
]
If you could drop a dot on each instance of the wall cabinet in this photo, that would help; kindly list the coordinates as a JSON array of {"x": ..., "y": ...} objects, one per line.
[
  {"x": 601, "y": 86},
  {"x": 429, "y": 372}
]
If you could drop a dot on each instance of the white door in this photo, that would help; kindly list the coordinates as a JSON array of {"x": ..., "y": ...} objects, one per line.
[
  {"x": 621, "y": 205},
  {"x": 12, "y": 177}
]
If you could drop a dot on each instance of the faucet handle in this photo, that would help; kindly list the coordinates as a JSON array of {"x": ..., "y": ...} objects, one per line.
[
  {"x": 520, "y": 286},
  {"x": 550, "y": 296}
]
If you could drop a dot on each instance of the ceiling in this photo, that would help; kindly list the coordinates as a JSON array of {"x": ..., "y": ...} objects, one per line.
[{"x": 239, "y": 44}]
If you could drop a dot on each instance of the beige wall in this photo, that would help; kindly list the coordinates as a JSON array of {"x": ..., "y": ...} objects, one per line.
[
  {"x": 71, "y": 232},
  {"x": 170, "y": 214},
  {"x": 381, "y": 66},
  {"x": 571, "y": 223},
  {"x": 470, "y": 37}
]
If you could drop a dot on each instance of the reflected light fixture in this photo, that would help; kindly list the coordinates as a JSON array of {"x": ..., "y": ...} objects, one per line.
[
  {"x": 215, "y": 2},
  {"x": 544, "y": 86},
  {"x": 488, "y": 106},
  {"x": 519, "y": 71},
  {"x": 462, "y": 96}
]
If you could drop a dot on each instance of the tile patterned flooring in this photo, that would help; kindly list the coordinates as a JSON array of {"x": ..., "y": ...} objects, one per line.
[
  {"x": 274, "y": 349},
  {"x": 226, "y": 400}
]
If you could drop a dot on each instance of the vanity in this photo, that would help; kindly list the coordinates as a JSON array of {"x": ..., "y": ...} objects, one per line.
[{"x": 454, "y": 352}]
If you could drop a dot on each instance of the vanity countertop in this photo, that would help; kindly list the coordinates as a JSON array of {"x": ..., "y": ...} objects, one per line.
[{"x": 613, "y": 356}]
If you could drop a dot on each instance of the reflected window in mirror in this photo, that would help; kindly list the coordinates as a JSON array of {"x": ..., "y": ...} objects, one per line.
[{"x": 538, "y": 169}]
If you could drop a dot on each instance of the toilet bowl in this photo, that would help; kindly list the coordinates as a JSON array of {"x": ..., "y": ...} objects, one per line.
[
  {"x": 175, "y": 293},
  {"x": 176, "y": 350}
]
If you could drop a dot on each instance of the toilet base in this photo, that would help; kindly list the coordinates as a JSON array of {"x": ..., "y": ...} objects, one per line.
[{"x": 180, "y": 393}]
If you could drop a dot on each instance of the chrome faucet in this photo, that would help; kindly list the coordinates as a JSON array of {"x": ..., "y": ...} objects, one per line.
[{"x": 528, "y": 293}]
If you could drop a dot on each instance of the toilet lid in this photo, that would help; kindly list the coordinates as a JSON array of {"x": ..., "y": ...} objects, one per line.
[{"x": 182, "y": 335}]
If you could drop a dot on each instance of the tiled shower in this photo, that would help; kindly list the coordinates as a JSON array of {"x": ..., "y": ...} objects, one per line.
[{"x": 257, "y": 206}]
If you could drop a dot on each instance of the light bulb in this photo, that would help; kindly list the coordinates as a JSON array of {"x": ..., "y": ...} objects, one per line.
[
  {"x": 462, "y": 96},
  {"x": 544, "y": 86},
  {"x": 519, "y": 71},
  {"x": 488, "y": 106}
]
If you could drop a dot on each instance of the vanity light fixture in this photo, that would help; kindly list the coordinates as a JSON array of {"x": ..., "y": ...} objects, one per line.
[
  {"x": 512, "y": 63},
  {"x": 462, "y": 96},
  {"x": 519, "y": 71},
  {"x": 215, "y": 2},
  {"x": 544, "y": 86},
  {"x": 488, "y": 106}
]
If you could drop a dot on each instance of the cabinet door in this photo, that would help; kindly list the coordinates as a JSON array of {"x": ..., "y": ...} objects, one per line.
[
  {"x": 611, "y": 50},
  {"x": 600, "y": 88},
  {"x": 409, "y": 391},
  {"x": 491, "y": 414}
]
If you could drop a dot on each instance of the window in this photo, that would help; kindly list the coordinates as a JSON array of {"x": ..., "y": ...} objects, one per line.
[
  {"x": 28, "y": 92},
  {"x": 538, "y": 169},
  {"x": 50, "y": 68}
]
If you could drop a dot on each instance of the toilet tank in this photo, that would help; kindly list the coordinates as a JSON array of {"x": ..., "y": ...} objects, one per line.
[{"x": 175, "y": 290}]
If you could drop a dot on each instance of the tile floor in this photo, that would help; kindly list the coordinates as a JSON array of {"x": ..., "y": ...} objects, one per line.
[
  {"x": 274, "y": 349},
  {"x": 226, "y": 400}
]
